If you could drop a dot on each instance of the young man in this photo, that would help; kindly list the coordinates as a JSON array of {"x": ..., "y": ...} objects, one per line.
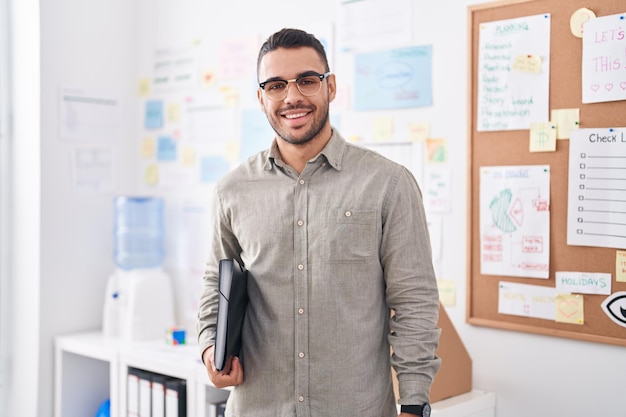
[{"x": 334, "y": 237}]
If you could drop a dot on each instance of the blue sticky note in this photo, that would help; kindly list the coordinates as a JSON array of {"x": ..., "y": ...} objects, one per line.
[
  {"x": 398, "y": 78},
  {"x": 256, "y": 133},
  {"x": 154, "y": 114},
  {"x": 167, "y": 149},
  {"x": 212, "y": 168}
]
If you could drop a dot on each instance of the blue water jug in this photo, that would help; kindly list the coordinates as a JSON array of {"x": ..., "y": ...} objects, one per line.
[{"x": 138, "y": 232}]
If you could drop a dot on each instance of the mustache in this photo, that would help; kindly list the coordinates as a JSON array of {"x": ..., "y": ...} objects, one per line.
[{"x": 297, "y": 107}]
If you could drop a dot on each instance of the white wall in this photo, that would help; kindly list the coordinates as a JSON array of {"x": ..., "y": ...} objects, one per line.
[{"x": 64, "y": 260}]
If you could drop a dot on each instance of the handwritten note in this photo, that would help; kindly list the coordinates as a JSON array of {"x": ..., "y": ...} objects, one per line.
[
  {"x": 527, "y": 300},
  {"x": 542, "y": 137},
  {"x": 570, "y": 309},
  {"x": 583, "y": 282},
  {"x": 604, "y": 59},
  {"x": 513, "y": 73},
  {"x": 620, "y": 266},
  {"x": 515, "y": 220}
]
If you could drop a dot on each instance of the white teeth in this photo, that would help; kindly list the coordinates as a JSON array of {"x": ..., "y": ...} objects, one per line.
[{"x": 294, "y": 116}]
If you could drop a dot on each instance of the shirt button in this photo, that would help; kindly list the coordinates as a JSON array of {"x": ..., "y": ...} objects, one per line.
[
  {"x": 301, "y": 182},
  {"x": 348, "y": 213},
  {"x": 301, "y": 398},
  {"x": 300, "y": 223},
  {"x": 300, "y": 311},
  {"x": 300, "y": 267},
  {"x": 301, "y": 354}
]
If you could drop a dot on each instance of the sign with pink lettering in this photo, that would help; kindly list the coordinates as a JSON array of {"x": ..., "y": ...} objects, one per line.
[{"x": 604, "y": 59}]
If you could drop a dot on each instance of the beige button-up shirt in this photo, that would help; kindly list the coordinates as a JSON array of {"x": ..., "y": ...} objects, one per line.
[{"x": 330, "y": 252}]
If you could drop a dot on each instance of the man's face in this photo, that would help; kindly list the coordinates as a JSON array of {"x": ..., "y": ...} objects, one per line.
[{"x": 297, "y": 119}]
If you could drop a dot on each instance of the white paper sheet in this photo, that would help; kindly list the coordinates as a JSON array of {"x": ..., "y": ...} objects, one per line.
[
  {"x": 513, "y": 93},
  {"x": 515, "y": 221},
  {"x": 596, "y": 212},
  {"x": 604, "y": 59},
  {"x": 527, "y": 300},
  {"x": 89, "y": 115}
]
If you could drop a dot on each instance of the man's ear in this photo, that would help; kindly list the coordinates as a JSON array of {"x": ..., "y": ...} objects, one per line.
[
  {"x": 259, "y": 95},
  {"x": 332, "y": 88}
]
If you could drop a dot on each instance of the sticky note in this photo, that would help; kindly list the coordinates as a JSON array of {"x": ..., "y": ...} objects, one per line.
[
  {"x": 151, "y": 175},
  {"x": 620, "y": 266},
  {"x": 148, "y": 148},
  {"x": 188, "y": 156},
  {"x": 436, "y": 150},
  {"x": 569, "y": 308},
  {"x": 144, "y": 87},
  {"x": 382, "y": 129},
  {"x": 166, "y": 149},
  {"x": 173, "y": 113},
  {"x": 565, "y": 120},
  {"x": 542, "y": 137},
  {"x": 527, "y": 63},
  {"x": 153, "y": 114},
  {"x": 447, "y": 292},
  {"x": 578, "y": 19},
  {"x": 419, "y": 131}
]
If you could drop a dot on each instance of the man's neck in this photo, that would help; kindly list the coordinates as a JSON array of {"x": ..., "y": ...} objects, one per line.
[{"x": 297, "y": 155}]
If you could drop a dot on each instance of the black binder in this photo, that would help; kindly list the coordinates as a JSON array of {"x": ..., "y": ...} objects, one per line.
[{"x": 233, "y": 300}]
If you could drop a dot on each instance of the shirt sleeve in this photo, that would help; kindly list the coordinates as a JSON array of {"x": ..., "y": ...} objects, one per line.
[
  {"x": 411, "y": 290},
  {"x": 223, "y": 246}
]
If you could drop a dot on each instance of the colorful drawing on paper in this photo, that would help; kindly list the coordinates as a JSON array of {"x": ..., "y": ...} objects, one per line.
[{"x": 515, "y": 221}]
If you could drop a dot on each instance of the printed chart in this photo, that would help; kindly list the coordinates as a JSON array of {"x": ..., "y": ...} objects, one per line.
[{"x": 596, "y": 213}]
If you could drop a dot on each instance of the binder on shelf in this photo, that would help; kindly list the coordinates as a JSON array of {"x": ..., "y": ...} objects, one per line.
[
  {"x": 132, "y": 392},
  {"x": 233, "y": 300},
  {"x": 158, "y": 395},
  {"x": 145, "y": 394},
  {"x": 175, "y": 398}
]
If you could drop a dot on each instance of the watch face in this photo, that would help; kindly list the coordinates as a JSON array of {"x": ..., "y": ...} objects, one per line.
[{"x": 426, "y": 410}]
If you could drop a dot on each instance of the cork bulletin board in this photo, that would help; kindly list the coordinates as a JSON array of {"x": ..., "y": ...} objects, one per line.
[{"x": 511, "y": 148}]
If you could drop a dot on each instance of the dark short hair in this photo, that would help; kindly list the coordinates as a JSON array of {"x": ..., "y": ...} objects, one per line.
[{"x": 291, "y": 38}]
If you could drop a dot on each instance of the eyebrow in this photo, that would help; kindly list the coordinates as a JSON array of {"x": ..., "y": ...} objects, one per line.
[{"x": 302, "y": 74}]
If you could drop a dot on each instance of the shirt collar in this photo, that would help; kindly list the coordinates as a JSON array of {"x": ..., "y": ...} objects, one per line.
[{"x": 333, "y": 152}]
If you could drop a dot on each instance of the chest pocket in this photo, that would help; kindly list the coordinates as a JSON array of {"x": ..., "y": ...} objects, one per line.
[{"x": 349, "y": 236}]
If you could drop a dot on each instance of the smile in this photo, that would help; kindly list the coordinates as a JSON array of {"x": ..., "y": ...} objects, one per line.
[{"x": 295, "y": 115}]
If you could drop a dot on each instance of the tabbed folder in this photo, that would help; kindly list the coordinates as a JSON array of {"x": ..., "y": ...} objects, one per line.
[
  {"x": 233, "y": 300},
  {"x": 154, "y": 395}
]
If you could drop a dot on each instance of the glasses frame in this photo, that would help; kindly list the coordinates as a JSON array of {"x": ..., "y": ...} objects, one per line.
[{"x": 295, "y": 80}]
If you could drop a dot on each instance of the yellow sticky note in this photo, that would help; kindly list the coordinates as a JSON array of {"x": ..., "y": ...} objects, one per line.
[
  {"x": 230, "y": 95},
  {"x": 578, "y": 19},
  {"x": 208, "y": 78},
  {"x": 383, "y": 129},
  {"x": 148, "y": 148},
  {"x": 232, "y": 150},
  {"x": 569, "y": 308},
  {"x": 419, "y": 131},
  {"x": 542, "y": 137},
  {"x": 144, "y": 87},
  {"x": 527, "y": 63},
  {"x": 151, "y": 175},
  {"x": 188, "y": 156},
  {"x": 447, "y": 292},
  {"x": 436, "y": 150},
  {"x": 173, "y": 112},
  {"x": 620, "y": 266},
  {"x": 565, "y": 120}
]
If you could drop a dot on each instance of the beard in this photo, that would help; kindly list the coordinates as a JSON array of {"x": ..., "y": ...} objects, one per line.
[{"x": 310, "y": 134}]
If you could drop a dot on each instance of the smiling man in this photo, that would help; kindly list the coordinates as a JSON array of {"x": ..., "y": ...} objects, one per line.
[{"x": 335, "y": 238}]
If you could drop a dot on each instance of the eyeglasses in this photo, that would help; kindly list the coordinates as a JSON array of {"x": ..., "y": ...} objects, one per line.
[{"x": 308, "y": 84}]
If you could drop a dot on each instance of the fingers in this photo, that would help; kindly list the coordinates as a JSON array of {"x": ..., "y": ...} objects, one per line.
[{"x": 231, "y": 375}]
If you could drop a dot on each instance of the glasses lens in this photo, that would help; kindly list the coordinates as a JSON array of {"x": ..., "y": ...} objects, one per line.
[
  {"x": 309, "y": 86},
  {"x": 276, "y": 90}
]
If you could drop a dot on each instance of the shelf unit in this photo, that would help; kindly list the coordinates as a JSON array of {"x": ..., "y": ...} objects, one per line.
[{"x": 89, "y": 368}]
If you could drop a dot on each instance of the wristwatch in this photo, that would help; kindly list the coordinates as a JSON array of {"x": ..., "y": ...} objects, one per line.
[{"x": 419, "y": 410}]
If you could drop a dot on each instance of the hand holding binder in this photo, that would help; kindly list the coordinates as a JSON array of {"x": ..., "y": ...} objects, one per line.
[{"x": 233, "y": 300}]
